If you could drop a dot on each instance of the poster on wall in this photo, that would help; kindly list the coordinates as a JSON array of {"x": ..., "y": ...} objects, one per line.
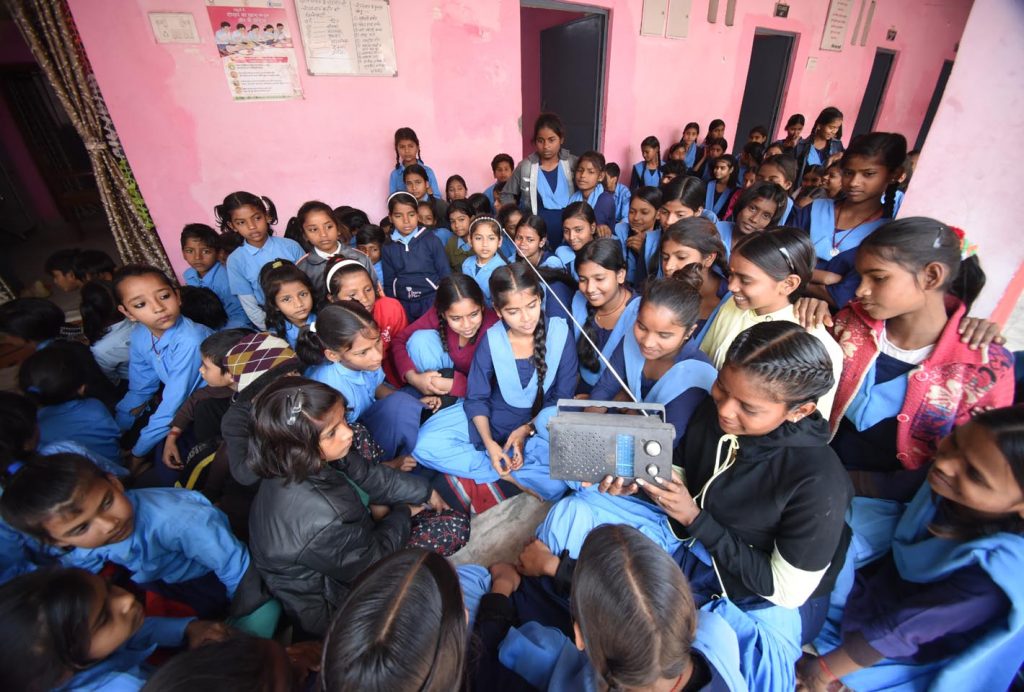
[
  {"x": 256, "y": 50},
  {"x": 837, "y": 23},
  {"x": 347, "y": 37}
]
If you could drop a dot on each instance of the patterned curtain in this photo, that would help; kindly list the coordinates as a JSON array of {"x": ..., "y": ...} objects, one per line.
[{"x": 50, "y": 32}]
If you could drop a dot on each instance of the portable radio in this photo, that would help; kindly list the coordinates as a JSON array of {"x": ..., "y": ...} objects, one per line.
[{"x": 589, "y": 446}]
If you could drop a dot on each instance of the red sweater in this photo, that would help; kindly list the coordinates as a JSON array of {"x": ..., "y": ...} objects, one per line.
[
  {"x": 943, "y": 391},
  {"x": 462, "y": 356},
  {"x": 390, "y": 317}
]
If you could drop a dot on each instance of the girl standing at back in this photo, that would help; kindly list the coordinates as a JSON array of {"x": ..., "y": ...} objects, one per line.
[
  {"x": 871, "y": 167},
  {"x": 524, "y": 364},
  {"x": 289, "y": 294},
  {"x": 689, "y": 141},
  {"x": 343, "y": 349},
  {"x": 590, "y": 187},
  {"x": 252, "y": 217},
  {"x": 794, "y": 126},
  {"x": 407, "y": 152},
  {"x": 767, "y": 273},
  {"x": 723, "y": 174},
  {"x": 164, "y": 351},
  {"x": 415, "y": 262},
  {"x": 824, "y": 145},
  {"x": 647, "y": 173},
  {"x": 543, "y": 181},
  {"x": 579, "y": 227}
]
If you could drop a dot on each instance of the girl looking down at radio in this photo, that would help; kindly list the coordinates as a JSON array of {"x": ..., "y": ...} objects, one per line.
[{"x": 524, "y": 363}]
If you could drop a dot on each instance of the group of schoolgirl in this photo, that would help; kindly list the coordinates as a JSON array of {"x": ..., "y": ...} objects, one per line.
[{"x": 842, "y": 484}]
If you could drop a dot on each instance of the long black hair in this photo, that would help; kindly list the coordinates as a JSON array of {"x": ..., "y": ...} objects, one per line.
[
  {"x": 273, "y": 276},
  {"x": 336, "y": 328},
  {"x": 779, "y": 253},
  {"x": 917, "y": 241},
  {"x": 451, "y": 290},
  {"x": 513, "y": 278},
  {"x": 888, "y": 147},
  {"x": 237, "y": 200}
]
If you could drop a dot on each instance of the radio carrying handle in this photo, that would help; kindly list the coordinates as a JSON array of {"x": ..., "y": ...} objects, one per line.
[{"x": 641, "y": 406}]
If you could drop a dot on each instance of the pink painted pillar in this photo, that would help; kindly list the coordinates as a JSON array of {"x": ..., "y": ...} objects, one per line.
[{"x": 965, "y": 174}]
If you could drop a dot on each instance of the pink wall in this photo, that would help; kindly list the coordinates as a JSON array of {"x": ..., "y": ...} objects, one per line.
[
  {"x": 13, "y": 52},
  {"x": 985, "y": 94},
  {"x": 459, "y": 86},
  {"x": 532, "y": 22}
]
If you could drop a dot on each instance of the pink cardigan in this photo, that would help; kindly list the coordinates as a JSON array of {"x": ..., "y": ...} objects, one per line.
[{"x": 943, "y": 391}]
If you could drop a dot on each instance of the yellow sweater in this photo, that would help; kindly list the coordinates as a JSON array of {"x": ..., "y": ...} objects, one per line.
[{"x": 731, "y": 320}]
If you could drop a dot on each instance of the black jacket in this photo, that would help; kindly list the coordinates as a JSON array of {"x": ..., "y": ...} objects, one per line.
[
  {"x": 779, "y": 509},
  {"x": 310, "y": 540}
]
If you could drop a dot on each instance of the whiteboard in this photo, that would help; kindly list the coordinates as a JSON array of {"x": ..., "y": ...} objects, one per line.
[{"x": 347, "y": 37}]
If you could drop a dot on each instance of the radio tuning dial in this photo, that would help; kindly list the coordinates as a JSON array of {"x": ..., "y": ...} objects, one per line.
[{"x": 652, "y": 448}]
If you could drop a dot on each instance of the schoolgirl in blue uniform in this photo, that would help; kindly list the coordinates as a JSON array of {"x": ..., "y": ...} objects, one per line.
[
  {"x": 781, "y": 170},
  {"x": 693, "y": 243},
  {"x": 407, "y": 152},
  {"x": 871, "y": 167},
  {"x": 689, "y": 142},
  {"x": 604, "y": 305},
  {"x": 543, "y": 182},
  {"x": 414, "y": 263},
  {"x": 759, "y": 207},
  {"x": 641, "y": 219},
  {"x": 589, "y": 177},
  {"x": 289, "y": 299},
  {"x": 171, "y": 541},
  {"x": 636, "y": 626},
  {"x": 647, "y": 173},
  {"x": 941, "y": 610},
  {"x": 668, "y": 370},
  {"x": 343, "y": 349},
  {"x": 617, "y": 190},
  {"x": 824, "y": 143},
  {"x": 531, "y": 240},
  {"x": 71, "y": 630},
  {"x": 164, "y": 350},
  {"x": 432, "y": 209},
  {"x": 485, "y": 236},
  {"x": 525, "y": 363},
  {"x": 579, "y": 227},
  {"x": 723, "y": 175},
  {"x": 681, "y": 198},
  {"x": 251, "y": 217},
  {"x": 199, "y": 247}
]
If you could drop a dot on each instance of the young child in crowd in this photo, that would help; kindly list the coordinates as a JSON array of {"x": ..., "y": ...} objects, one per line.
[
  {"x": 414, "y": 262},
  {"x": 617, "y": 190},
  {"x": 485, "y": 238},
  {"x": 417, "y": 183},
  {"x": 780, "y": 170},
  {"x": 502, "y": 166},
  {"x": 407, "y": 153},
  {"x": 347, "y": 280},
  {"x": 327, "y": 238},
  {"x": 315, "y": 526},
  {"x": 647, "y": 172},
  {"x": 458, "y": 248},
  {"x": 107, "y": 330},
  {"x": 199, "y": 248},
  {"x": 60, "y": 267},
  {"x": 370, "y": 240},
  {"x": 759, "y": 206},
  {"x": 164, "y": 350},
  {"x": 455, "y": 188},
  {"x": 289, "y": 299},
  {"x": 531, "y": 241},
  {"x": 723, "y": 174},
  {"x": 252, "y": 217}
]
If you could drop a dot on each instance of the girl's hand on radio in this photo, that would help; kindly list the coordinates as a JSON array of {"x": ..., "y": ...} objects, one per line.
[
  {"x": 617, "y": 485},
  {"x": 673, "y": 497}
]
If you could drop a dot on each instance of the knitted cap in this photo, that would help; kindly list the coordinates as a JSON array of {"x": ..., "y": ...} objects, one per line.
[{"x": 254, "y": 355}]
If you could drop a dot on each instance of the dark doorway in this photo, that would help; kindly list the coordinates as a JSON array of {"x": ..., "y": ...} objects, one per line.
[
  {"x": 940, "y": 88},
  {"x": 874, "y": 92},
  {"x": 563, "y": 70},
  {"x": 766, "y": 82}
]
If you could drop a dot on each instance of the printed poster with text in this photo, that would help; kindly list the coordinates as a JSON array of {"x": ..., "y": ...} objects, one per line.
[{"x": 255, "y": 46}]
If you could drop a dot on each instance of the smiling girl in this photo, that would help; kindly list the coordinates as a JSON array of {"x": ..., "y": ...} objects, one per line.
[
  {"x": 252, "y": 217},
  {"x": 579, "y": 227},
  {"x": 641, "y": 219},
  {"x": 164, "y": 350},
  {"x": 693, "y": 242}
]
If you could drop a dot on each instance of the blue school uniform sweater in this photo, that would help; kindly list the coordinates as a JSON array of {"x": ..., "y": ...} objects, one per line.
[
  {"x": 413, "y": 268},
  {"x": 603, "y": 204},
  {"x": 217, "y": 281},
  {"x": 622, "y": 199},
  {"x": 396, "y": 181},
  {"x": 359, "y": 387},
  {"x": 125, "y": 670},
  {"x": 86, "y": 421},
  {"x": 244, "y": 264},
  {"x": 178, "y": 536},
  {"x": 173, "y": 360},
  {"x": 111, "y": 351}
]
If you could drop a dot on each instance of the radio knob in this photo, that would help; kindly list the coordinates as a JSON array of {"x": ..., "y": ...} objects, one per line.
[
  {"x": 652, "y": 448},
  {"x": 652, "y": 470}
]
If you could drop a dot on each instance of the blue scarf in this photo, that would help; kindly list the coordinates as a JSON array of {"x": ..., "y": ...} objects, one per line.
[
  {"x": 557, "y": 198},
  {"x": 683, "y": 375},
  {"x": 625, "y": 321},
  {"x": 823, "y": 230},
  {"x": 514, "y": 393}
]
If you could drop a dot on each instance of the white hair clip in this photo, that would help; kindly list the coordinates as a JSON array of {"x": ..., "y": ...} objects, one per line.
[{"x": 344, "y": 263}]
